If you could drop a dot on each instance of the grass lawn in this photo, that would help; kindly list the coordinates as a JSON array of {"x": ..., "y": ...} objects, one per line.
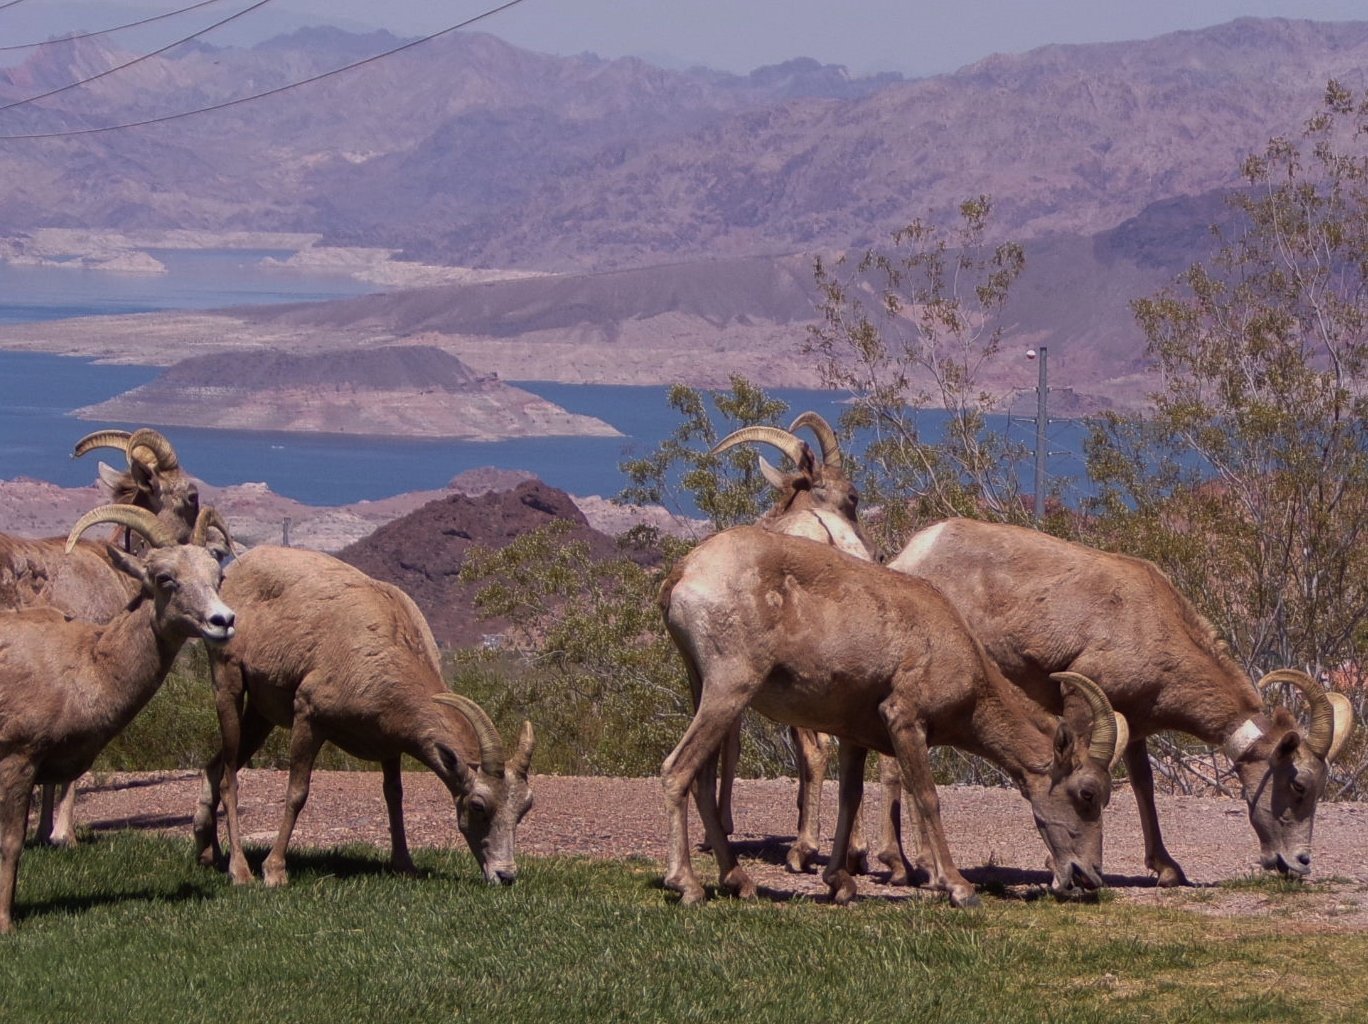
[{"x": 126, "y": 928}]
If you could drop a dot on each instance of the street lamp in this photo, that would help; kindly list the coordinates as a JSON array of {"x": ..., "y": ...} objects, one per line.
[{"x": 1042, "y": 422}]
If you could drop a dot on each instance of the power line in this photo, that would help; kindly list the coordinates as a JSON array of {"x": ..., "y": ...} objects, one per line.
[
  {"x": 12, "y": 3},
  {"x": 104, "y": 31},
  {"x": 136, "y": 60},
  {"x": 269, "y": 92}
]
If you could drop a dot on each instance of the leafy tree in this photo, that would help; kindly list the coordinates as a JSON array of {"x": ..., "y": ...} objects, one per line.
[
  {"x": 910, "y": 329},
  {"x": 728, "y": 488},
  {"x": 1249, "y": 484},
  {"x": 587, "y": 656}
]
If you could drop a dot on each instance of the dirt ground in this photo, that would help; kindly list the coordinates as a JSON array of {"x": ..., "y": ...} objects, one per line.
[{"x": 990, "y": 831}]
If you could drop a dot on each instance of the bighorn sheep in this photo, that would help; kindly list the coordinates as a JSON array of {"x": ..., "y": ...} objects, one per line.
[
  {"x": 1040, "y": 605},
  {"x": 813, "y": 638},
  {"x": 84, "y": 583},
  {"x": 817, "y": 501},
  {"x": 67, "y": 687},
  {"x": 331, "y": 654}
]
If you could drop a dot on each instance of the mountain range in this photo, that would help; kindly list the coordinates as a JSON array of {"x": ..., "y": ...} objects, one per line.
[{"x": 645, "y": 189}]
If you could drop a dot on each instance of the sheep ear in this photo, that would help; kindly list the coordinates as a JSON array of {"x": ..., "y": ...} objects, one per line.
[
  {"x": 1064, "y": 741},
  {"x": 145, "y": 478},
  {"x": 128, "y": 564},
  {"x": 453, "y": 767},
  {"x": 109, "y": 477}
]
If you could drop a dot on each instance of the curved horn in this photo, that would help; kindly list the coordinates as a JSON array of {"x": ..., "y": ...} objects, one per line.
[
  {"x": 111, "y": 438},
  {"x": 1321, "y": 733},
  {"x": 826, "y": 437},
  {"x": 491, "y": 746},
  {"x": 522, "y": 755},
  {"x": 1344, "y": 723},
  {"x": 1105, "y": 732},
  {"x": 1122, "y": 737},
  {"x": 153, "y": 450},
  {"x": 794, "y": 447},
  {"x": 138, "y": 519},
  {"x": 209, "y": 516}
]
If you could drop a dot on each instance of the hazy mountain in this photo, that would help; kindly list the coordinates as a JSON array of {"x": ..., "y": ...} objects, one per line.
[
  {"x": 469, "y": 150},
  {"x": 681, "y": 209}
]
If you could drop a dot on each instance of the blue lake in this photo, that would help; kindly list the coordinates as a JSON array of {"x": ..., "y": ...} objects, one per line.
[{"x": 37, "y": 393}]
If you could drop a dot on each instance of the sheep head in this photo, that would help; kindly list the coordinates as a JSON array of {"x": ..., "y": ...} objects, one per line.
[
  {"x": 182, "y": 580},
  {"x": 1068, "y": 799},
  {"x": 154, "y": 479},
  {"x": 493, "y": 797},
  {"x": 813, "y": 484},
  {"x": 1283, "y": 770}
]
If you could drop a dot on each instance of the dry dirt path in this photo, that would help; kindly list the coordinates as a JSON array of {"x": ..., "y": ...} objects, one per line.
[{"x": 990, "y": 832}]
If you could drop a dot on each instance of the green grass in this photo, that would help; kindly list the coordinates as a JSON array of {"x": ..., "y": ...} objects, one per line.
[{"x": 127, "y": 928}]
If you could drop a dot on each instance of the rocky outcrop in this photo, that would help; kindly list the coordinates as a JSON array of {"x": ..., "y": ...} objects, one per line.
[
  {"x": 406, "y": 391},
  {"x": 423, "y": 552}
]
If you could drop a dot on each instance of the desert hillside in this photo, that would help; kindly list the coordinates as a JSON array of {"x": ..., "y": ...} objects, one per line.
[{"x": 409, "y": 391}]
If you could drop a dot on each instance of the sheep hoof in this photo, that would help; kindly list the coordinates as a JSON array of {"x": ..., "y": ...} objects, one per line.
[
  {"x": 1171, "y": 876},
  {"x": 739, "y": 884},
  {"x": 800, "y": 858},
  {"x": 842, "y": 887},
  {"x": 965, "y": 900}
]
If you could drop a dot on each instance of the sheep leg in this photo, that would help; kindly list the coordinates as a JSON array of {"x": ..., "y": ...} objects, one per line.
[
  {"x": 305, "y": 742},
  {"x": 229, "y": 698},
  {"x": 731, "y": 757},
  {"x": 63, "y": 831},
  {"x": 851, "y": 759},
  {"x": 813, "y": 754},
  {"x": 253, "y": 731},
  {"x": 909, "y": 741},
  {"x": 902, "y": 870},
  {"x": 393, "y": 786},
  {"x": 731, "y": 876},
  {"x": 46, "y": 802},
  {"x": 16, "y": 790},
  {"x": 1157, "y": 858},
  {"x": 717, "y": 713}
]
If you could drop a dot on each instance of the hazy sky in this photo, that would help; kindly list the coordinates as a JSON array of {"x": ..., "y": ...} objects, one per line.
[
  {"x": 916, "y": 37},
  {"x": 912, "y": 36}
]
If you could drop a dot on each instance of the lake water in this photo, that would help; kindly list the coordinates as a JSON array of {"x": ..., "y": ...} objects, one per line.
[{"x": 37, "y": 393}]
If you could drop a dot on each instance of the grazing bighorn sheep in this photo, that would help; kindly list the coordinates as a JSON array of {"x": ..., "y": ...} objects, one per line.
[
  {"x": 84, "y": 583},
  {"x": 329, "y": 653},
  {"x": 68, "y": 687},
  {"x": 813, "y": 638},
  {"x": 1040, "y": 605},
  {"x": 819, "y": 502}
]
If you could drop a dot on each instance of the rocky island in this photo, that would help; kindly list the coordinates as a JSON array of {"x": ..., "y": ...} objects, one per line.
[{"x": 394, "y": 391}]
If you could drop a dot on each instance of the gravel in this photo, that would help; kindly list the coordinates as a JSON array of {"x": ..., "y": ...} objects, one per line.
[{"x": 990, "y": 832}]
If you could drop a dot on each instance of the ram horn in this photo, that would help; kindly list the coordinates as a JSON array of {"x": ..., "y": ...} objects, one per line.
[
  {"x": 1321, "y": 735},
  {"x": 491, "y": 745},
  {"x": 1102, "y": 743},
  {"x": 522, "y": 754},
  {"x": 794, "y": 447},
  {"x": 137, "y": 519},
  {"x": 826, "y": 437},
  {"x": 111, "y": 438},
  {"x": 153, "y": 450},
  {"x": 209, "y": 517}
]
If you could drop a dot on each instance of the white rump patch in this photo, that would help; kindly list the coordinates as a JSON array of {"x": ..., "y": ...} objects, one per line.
[{"x": 918, "y": 549}]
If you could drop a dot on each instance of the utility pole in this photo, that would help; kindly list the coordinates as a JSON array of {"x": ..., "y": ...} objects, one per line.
[{"x": 1042, "y": 423}]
